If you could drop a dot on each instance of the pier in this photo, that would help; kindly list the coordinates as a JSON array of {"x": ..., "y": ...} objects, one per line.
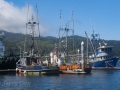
[
  {"x": 93, "y": 68},
  {"x": 8, "y": 70}
]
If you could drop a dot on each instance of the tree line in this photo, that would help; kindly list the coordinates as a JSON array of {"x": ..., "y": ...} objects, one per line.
[{"x": 14, "y": 42}]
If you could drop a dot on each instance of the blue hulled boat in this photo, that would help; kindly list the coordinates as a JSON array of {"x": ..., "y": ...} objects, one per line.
[
  {"x": 103, "y": 55},
  {"x": 103, "y": 58}
]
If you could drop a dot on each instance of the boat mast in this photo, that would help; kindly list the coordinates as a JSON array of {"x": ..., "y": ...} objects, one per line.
[
  {"x": 87, "y": 50},
  {"x": 32, "y": 26},
  {"x": 32, "y": 37},
  {"x": 94, "y": 39},
  {"x": 66, "y": 30},
  {"x": 26, "y": 33},
  {"x": 73, "y": 29},
  {"x": 59, "y": 44},
  {"x": 38, "y": 19},
  {"x": 38, "y": 29}
]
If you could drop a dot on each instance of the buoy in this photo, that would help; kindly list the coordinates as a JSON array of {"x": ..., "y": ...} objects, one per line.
[{"x": 20, "y": 71}]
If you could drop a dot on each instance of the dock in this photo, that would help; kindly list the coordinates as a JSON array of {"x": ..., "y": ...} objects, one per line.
[
  {"x": 8, "y": 70},
  {"x": 93, "y": 68}
]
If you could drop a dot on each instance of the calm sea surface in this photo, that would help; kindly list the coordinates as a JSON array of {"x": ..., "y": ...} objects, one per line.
[{"x": 97, "y": 80}]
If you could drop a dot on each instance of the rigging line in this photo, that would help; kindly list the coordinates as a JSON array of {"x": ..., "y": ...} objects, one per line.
[
  {"x": 29, "y": 41},
  {"x": 63, "y": 20},
  {"x": 25, "y": 39},
  {"x": 90, "y": 42},
  {"x": 36, "y": 42},
  {"x": 27, "y": 12},
  {"x": 59, "y": 32},
  {"x": 26, "y": 30},
  {"x": 34, "y": 38},
  {"x": 73, "y": 29},
  {"x": 57, "y": 35},
  {"x": 38, "y": 19},
  {"x": 36, "y": 45},
  {"x": 90, "y": 24},
  {"x": 63, "y": 34},
  {"x": 71, "y": 18},
  {"x": 38, "y": 26},
  {"x": 60, "y": 28}
]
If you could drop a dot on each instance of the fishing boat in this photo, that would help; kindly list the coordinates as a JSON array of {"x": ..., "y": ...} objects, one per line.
[
  {"x": 102, "y": 55},
  {"x": 69, "y": 63},
  {"x": 31, "y": 61}
]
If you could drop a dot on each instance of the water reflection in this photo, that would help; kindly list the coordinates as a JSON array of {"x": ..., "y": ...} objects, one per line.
[{"x": 98, "y": 79}]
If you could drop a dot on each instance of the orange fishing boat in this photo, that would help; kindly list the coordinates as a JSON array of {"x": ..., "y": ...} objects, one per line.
[{"x": 75, "y": 68}]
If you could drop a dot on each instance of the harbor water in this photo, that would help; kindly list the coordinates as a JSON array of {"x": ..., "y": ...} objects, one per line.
[{"x": 97, "y": 80}]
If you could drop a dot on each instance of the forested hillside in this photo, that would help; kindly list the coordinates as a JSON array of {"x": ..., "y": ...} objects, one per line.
[{"x": 15, "y": 41}]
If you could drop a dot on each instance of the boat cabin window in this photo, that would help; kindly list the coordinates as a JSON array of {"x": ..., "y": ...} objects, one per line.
[
  {"x": 110, "y": 49},
  {"x": 102, "y": 49},
  {"x": 32, "y": 61},
  {"x": 106, "y": 49}
]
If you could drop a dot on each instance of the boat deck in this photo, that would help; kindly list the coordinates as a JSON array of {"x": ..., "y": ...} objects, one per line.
[{"x": 71, "y": 72}]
